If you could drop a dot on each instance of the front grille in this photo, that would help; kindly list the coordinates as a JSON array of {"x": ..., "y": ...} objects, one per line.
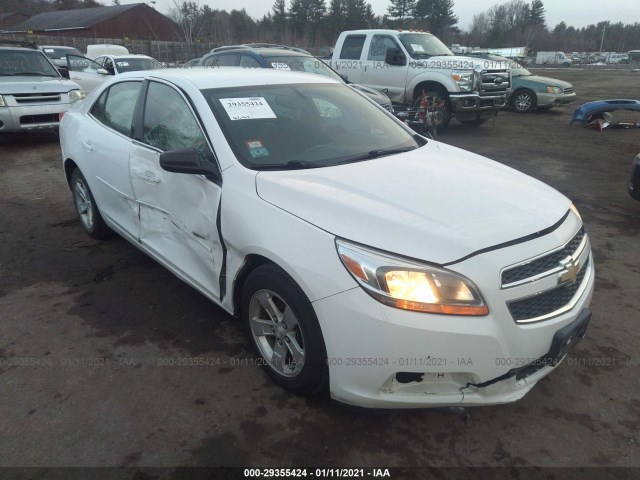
[
  {"x": 35, "y": 119},
  {"x": 22, "y": 98},
  {"x": 495, "y": 81},
  {"x": 569, "y": 90},
  {"x": 542, "y": 264},
  {"x": 547, "y": 302}
]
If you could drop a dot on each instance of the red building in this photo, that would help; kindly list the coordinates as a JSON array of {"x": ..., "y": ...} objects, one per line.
[{"x": 136, "y": 21}]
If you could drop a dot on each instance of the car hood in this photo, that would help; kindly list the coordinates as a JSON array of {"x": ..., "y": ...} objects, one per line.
[
  {"x": 552, "y": 82},
  {"x": 27, "y": 84},
  {"x": 437, "y": 203},
  {"x": 378, "y": 97}
]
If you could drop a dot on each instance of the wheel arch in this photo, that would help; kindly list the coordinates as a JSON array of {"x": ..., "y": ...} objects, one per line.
[
  {"x": 429, "y": 86},
  {"x": 69, "y": 167},
  {"x": 251, "y": 263}
]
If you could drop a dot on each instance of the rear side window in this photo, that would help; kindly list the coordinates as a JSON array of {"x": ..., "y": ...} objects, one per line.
[
  {"x": 249, "y": 62},
  {"x": 352, "y": 47},
  {"x": 115, "y": 106},
  {"x": 221, "y": 61}
]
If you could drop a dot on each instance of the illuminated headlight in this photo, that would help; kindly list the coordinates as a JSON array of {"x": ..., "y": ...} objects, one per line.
[
  {"x": 464, "y": 79},
  {"x": 2, "y": 104},
  {"x": 76, "y": 95},
  {"x": 403, "y": 284},
  {"x": 554, "y": 90}
]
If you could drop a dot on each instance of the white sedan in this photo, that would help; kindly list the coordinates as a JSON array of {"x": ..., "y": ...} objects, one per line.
[
  {"x": 89, "y": 74},
  {"x": 391, "y": 270}
]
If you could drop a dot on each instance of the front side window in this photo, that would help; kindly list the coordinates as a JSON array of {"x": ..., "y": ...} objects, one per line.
[
  {"x": 83, "y": 64},
  {"x": 221, "y": 61},
  {"x": 169, "y": 123},
  {"x": 304, "y": 126},
  {"x": 379, "y": 46},
  {"x": 115, "y": 106}
]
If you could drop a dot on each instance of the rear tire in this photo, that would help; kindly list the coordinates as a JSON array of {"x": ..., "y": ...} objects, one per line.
[
  {"x": 86, "y": 207},
  {"x": 284, "y": 331}
]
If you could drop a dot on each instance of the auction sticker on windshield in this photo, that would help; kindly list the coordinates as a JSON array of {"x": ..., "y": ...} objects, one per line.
[
  {"x": 417, "y": 48},
  {"x": 247, "y": 108}
]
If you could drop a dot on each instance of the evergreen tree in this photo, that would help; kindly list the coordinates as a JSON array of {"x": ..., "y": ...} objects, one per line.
[
  {"x": 536, "y": 14},
  {"x": 401, "y": 10},
  {"x": 435, "y": 15}
]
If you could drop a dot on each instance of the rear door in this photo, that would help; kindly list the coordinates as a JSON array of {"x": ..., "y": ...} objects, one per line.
[
  {"x": 178, "y": 212},
  {"x": 107, "y": 143},
  {"x": 349, "y": 62}
]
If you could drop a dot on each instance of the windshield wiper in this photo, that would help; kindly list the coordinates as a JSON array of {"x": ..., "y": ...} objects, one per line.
[
  {"x": 376, "y": 153},
  {"x": 292, "y": 165}
]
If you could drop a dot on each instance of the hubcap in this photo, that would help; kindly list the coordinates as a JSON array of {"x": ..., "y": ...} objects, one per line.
[
  {"x": 276, "y": 332},
  {"x": 523, "y": 102},
  {"x": 83, "y": 204}
]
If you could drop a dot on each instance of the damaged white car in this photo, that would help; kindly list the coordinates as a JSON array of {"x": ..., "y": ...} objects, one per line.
[{"x": 392, "y": 271}]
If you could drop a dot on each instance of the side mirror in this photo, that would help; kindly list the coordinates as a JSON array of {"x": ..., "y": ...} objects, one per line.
[
  {"x": 187, "y": 160},
  {"x": 64, "y": 72},
  {"x": 395, "y": 56},
  {"x": 344, "y": 77},
  {"x": 102, "y": 71}
]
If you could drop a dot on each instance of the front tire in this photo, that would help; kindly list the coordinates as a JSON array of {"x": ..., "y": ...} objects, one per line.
[
  {"x": 436, "y": 96},
  {"x": 524, "y": 101},
  {"x": 86, "y": 207},
  {"x": 284, "y": 331}
]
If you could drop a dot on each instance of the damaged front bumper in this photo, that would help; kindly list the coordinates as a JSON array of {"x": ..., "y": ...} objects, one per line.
[
  {"x": 416, "y": 360},
  {"x": 473, "y": 106}
]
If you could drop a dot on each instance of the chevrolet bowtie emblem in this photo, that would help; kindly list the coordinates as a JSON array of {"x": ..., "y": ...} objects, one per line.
[{"x": 570, "y": 272}]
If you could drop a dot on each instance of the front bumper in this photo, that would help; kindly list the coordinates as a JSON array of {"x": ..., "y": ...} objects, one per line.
[
  {"x": 383, "y": 357},
  {"x": 473, "y": 106},
  {"x": 32, "y": 117},
  {"x": 555, "y": 99}
]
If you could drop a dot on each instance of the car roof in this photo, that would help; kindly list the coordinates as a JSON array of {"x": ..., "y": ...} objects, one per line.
[
  {"x": 262, "y": 52},
  {"x": 125, "y": 56},
  {"x": 225, "y": 77}
]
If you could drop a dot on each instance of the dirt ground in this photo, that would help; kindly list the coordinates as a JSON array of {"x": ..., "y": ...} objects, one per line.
[{"x": 95, "y": 322}]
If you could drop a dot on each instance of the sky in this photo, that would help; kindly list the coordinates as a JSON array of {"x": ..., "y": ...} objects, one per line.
[{"x": 577, "y": 13}]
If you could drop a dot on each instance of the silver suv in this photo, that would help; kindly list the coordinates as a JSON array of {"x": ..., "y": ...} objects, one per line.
[{"x": 33, "y": 94}]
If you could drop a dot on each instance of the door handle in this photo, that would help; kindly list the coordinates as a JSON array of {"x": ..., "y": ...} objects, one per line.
[
  {"x": 147, "y": 176},
  {"x": 87, "y": 145}
]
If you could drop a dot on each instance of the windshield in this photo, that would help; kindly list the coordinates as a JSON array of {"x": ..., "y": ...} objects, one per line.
[
  {"x": 517, "y": 70},
  {"x": 58, "y": 53},
  {"x": 25, "y": 62},
  {"x": 136, "y": 64},
  {"x": 420, "y": 45},
  {"x": 304, "y": 126},
  {"x": 302, "y": 64}
]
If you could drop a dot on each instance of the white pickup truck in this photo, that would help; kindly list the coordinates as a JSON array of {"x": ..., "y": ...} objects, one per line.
[{"x": 406, "y": 64}]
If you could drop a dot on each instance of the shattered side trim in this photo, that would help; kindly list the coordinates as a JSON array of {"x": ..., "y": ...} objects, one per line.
[{"x": 223, "y": 268}]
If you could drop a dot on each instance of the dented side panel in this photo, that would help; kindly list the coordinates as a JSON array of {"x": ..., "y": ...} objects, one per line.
[{"x": 178, "y": 219}]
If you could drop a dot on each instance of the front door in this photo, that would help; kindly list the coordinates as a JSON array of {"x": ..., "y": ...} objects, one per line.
[{"x": 178, "y": 212}]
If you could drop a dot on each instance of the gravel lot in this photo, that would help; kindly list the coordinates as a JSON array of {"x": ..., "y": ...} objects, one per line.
[{"x": 99, "y": 320}]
